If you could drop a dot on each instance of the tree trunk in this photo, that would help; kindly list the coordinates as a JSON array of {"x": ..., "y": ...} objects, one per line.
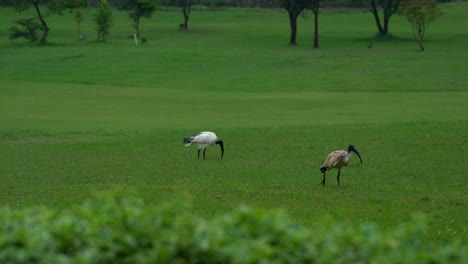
[
  {"x": 293, "y": 23},
  {"x": 186, "y": 18},
  {"x": 137, "y": 26},
  {"x": 386, "y": 23},
  {"x": 186, "y": 11},
  {"x": 420, "y": 35},
  {"x": 316, "y": 29},
  {"x": 43, "y": 22},
  {"x": 375, "y": 12}
]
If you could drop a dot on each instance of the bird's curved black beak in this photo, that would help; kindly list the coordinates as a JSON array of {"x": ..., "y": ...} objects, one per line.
[
  {"x": 221, "y": 145},
  {"x": 357, "y": 153}
]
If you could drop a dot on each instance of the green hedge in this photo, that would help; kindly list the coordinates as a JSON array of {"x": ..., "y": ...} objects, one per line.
[{"x": 118, "y": 228}]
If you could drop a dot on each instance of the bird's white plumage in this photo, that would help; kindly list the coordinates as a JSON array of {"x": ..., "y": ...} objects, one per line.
[
  {"x": 203, "y": 139},
  {"x": 337, "y": 159}
]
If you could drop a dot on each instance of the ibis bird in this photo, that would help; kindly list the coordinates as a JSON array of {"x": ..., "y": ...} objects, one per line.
[
  {"x": 203, "y": 140},
  {"x": 336, "y": 160}
]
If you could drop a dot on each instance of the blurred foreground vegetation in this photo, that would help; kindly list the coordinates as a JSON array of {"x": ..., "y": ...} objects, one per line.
[{"x": 118, "y": 228}]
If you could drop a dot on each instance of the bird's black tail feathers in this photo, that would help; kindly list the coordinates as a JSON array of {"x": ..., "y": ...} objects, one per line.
[
  {"x": 323, "y": 169},
  {"x": 187, "y": 140}
]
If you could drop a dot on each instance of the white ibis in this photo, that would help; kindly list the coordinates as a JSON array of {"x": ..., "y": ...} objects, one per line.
[
  {"x": 204, "y": 139},
  {"x": 336, "y": 160}
]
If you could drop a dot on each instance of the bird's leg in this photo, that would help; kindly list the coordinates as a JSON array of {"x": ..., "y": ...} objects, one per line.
[
  {"x": 338, "y": 178},
  {"x": 204, "y": 153},
  {"x": 323, "y": 181},
  {"x": 198, "y": 153}
]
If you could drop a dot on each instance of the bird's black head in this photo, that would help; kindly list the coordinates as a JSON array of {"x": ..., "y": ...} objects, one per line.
[
  {"x": 221, "y": 145},
  {"x": 353, "y": 149}
]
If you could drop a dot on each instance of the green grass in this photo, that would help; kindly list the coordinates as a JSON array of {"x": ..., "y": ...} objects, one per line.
[{"x": 78, "y": 117}]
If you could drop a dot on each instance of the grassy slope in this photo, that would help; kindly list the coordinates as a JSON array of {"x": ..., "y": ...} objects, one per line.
[{"x": 78, "y": 117}]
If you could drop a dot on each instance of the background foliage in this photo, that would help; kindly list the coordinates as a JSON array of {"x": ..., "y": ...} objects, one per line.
[
  {"x": 103, "y": 20},
  {"x": 116, "y": 228}
]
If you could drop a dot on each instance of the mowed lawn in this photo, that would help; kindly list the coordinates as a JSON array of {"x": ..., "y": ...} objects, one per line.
[{"x": 80, "y": 117}]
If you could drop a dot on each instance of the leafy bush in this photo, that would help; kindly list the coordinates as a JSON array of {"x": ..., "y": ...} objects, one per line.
[
  {"x": 103, "y": 20},
  {"x": 117, "y": 228},
  {"x": 27, "y": 28}
]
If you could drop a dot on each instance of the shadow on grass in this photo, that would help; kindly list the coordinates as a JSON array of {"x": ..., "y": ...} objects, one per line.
[{"x": 387, "y": 38}]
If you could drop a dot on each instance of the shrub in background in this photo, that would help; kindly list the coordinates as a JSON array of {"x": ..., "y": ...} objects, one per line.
[
  {"x": 26, "y": 28},
  {"x": 119, "y": 228},
  {"x": 420, "y": 14},
  {"x": 103, "y": 20}
]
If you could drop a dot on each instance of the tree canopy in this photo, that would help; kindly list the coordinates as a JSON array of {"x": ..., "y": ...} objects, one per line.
[
  {"x": 53, "y": 6},
  {"x": 137, "y": 9},
  {"x": 420, "y": 14}
]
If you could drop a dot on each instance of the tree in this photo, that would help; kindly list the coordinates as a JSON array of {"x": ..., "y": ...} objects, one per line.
[
  {"x": 25, "y": 28},
  {"x": 315, "y": 5},
  {"x": 420, "y": 14},
  {"x": 136, "y": 10},
  {"x": 78, "y": 19},
  {"x": 294, "y": 9},
  {"x": 389, "y": 7},
  {"x": 54, "y": 6},
  {"x": 186, "y": 6},
  {"x": 103, "y": 19}
]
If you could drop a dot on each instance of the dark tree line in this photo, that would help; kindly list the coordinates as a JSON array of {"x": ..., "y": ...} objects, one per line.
[
  {"x": 382, "y": 10},
  {"x": 276, "y": 3}
]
